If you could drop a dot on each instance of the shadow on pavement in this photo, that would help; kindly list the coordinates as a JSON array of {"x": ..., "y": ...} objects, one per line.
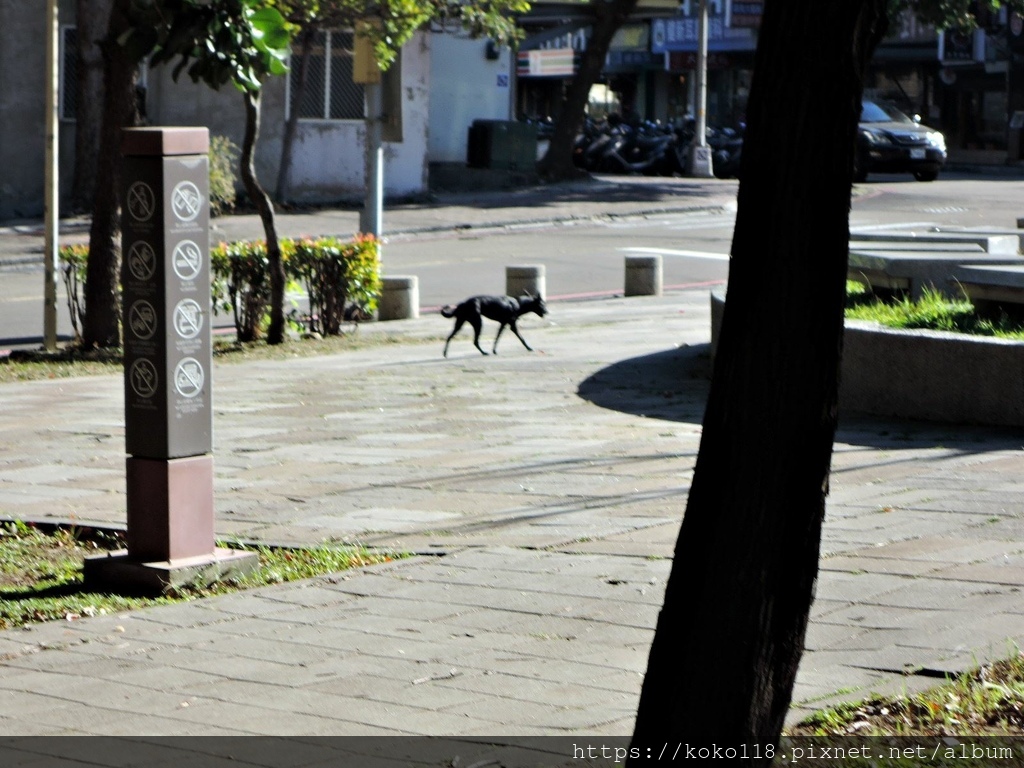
[
  {"x": 673, "y": 385},
  {"x": 646, "y": 190},
  {"x": 670, "y": 385}
]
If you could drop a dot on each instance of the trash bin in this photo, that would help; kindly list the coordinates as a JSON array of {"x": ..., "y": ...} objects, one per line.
[
  {"x": 502, "y": 145},
  {"x": 1015, "y": 140}
]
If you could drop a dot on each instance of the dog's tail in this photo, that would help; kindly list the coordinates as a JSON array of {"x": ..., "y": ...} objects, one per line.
[{"x": 448, "y": 310}]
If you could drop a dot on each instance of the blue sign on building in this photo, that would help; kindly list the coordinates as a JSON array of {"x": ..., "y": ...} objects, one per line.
[{"x": 682, "y": 33}]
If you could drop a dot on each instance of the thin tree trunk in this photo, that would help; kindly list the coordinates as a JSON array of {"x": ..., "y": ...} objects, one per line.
[
  {"x": 290, "y": 127},
  {"x": 608, "y": 17},
  {"x": 265, "y": 208},
  {"x": 101, "y": 326},
  {"x": 730, "y": 634},
  {"x": 92, "y": 19}
]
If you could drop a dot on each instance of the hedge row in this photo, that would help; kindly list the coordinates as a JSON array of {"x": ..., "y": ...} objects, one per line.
[{"x": 340, "y": 277}]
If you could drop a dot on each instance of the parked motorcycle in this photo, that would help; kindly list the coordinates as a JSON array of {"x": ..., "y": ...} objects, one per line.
[
  {"x": 726, "y": 151},
  {"x": 653, "y": 149}
]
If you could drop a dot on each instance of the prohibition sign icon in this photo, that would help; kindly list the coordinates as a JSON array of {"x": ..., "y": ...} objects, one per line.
[
  {"x": 144, "y": 378},
  {"x": 142, "y": 319},
  {"x": 141, "y": 260},
  {"x": 189, "y": 377},
  {"x": 187, "y": 259},
  {"x": 141, "y": 201},
  {"x": 186, "y": 201},
  {"x": 188, "y": 318}
]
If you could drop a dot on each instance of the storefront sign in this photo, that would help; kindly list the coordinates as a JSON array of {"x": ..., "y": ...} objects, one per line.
[
  {"x": 682, "y": 32},
  {"x": 559, "y": 62},
  {"x": 744, "y": 13}
]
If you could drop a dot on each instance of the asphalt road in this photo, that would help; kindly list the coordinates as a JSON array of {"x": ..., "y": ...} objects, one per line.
[{"x": 585, "y": 258}]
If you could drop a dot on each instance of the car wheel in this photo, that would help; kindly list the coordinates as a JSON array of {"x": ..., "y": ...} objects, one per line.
[{"x": 926, "y": 175}]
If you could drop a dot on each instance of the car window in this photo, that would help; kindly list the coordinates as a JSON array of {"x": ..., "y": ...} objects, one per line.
[{"x": 879, "y": 113}]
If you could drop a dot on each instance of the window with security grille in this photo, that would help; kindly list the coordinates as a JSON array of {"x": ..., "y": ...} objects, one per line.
[{"x": 329, "y": 93}]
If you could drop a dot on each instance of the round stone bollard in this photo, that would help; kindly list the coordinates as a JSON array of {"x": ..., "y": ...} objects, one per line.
[
  {"x": 643, "y": 275},
  {"x": 525, "y": 279},
  {"x": 399, "y": 298}
]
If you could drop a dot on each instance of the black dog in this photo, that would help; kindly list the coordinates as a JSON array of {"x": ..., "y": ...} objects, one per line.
[{"x": 502, "y": 309}]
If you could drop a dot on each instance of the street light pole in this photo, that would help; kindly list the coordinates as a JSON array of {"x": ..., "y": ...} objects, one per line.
[
  {"x": 700, "y": 153},
  {"x": 370, "y": 220},
  {"x": 51, "y": 180}
]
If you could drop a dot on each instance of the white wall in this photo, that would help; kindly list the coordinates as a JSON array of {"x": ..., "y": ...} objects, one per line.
[
  {"x": 465, "y": 87},
  {"x": 329, "y": 156},
  {"x": 328, "y": 161}
]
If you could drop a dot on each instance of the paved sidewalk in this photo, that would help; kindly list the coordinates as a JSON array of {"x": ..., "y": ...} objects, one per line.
[{"x": 542, "y": 493}]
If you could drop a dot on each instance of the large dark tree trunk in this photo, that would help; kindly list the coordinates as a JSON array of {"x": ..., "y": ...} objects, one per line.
[
  {"x": 265, "y": 208},
  {"x": 731, "y": 632},
  {"x": 290, "y": 127},
  {"x": 101, "y": 328},
  {"x": 92, "y": 19},
  {"x": 608, "y": 17}
]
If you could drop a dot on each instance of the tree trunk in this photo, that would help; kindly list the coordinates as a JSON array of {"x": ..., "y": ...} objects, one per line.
[
  {"x": 731, "y": 631},
  {"x": 608, "y": 17},
  {"x": 101, "y": 326},
  {"x": 288, "y": 141},
  {"x": 93, "y": 18},
  {"x": 265, "y": 208}
]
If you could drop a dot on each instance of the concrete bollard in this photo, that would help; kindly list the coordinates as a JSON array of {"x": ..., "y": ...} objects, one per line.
[
  {"x": 524, "y": 279},
  {"x": 643, "y": 275},
  {"x": 400, "y": 298}
]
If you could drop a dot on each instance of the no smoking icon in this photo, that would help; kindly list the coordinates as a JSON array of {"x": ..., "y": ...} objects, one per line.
[{"x": 187, "y": 259}]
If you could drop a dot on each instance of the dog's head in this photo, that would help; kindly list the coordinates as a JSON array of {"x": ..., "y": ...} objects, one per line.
[{"x": 531, "y": 303}]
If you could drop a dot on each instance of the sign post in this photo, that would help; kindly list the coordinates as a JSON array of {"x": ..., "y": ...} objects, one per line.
[{"x": 167, "y": 368}]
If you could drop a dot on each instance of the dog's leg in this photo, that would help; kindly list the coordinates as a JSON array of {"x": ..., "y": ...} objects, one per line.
[
  {"x": 501, "y": 328},
  {"x": 458, "y": 324},
  {"x": 519, "y": 336},
  {"x": 478, "y": 325}
]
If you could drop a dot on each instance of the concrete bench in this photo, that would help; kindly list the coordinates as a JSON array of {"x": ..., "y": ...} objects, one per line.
[
  {"x": 1000, "y": 284},
  {"x": 865, "y": 245},
  {"x": 914, "y": 271},
  {"x": 990, "y": 243},
  {"x": 915, "y": 374},
  {"x": 987, "y": 231}
]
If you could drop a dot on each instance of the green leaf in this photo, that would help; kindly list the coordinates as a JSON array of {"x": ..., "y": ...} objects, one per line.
[{"x": 269, "y": 30}]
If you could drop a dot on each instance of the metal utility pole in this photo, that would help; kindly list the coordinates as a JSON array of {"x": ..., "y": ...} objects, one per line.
[
  {"x": 366, "y": 71},
  {"x": 51, "y": 180},
  {"x": 700, "y": 153},
  {"x": 373, "y": 205}
]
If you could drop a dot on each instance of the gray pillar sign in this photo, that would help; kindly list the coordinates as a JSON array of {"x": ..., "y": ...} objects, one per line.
[
  {"x": 167, "y": 297},
  {"x": 167, "y": 369}
]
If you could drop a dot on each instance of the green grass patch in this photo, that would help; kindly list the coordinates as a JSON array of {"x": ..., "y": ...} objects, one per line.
[
  {"x": 932, "y": 311},
  {"x": 70, "y": 361},
  {"x": 988, "y": 701},
  {"x": 41, "y": 573}
]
